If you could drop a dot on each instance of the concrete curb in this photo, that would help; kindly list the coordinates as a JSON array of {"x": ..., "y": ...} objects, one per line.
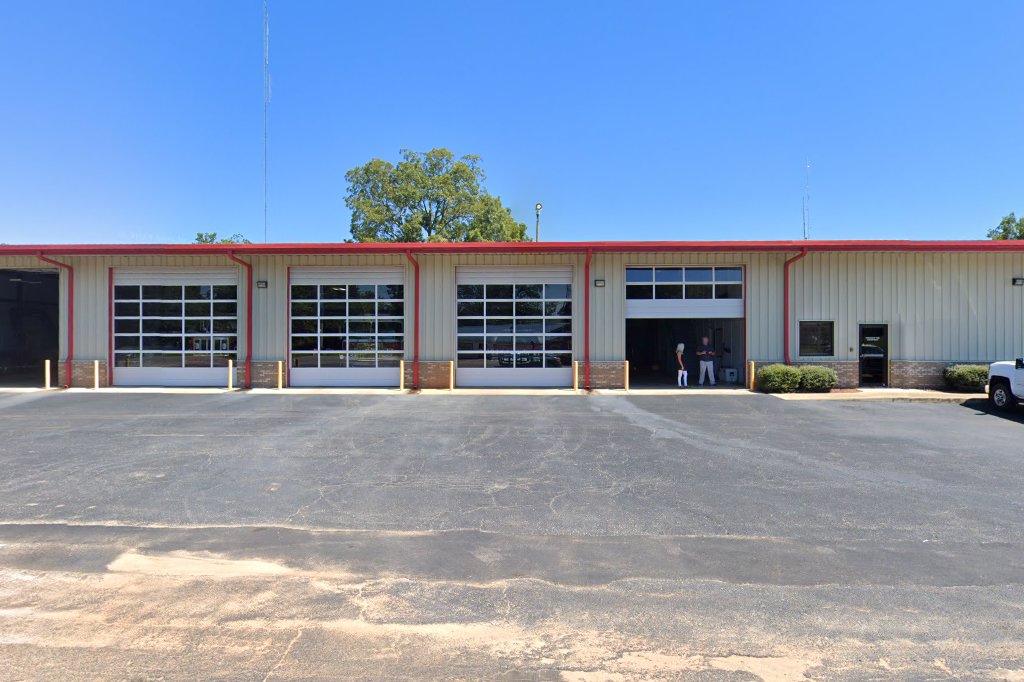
[{"x": 908, "y": 395}]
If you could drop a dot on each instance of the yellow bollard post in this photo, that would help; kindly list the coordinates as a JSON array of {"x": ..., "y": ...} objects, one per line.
[
  {"x": 451, "y": 375},
  {"x": 625, "y": 381},
  {"x": 280, "y": 374},
  {"x": 95, "y": 375},
  {"x": 401, "y": 375},
  {"x": 46, "y": 374},
  {"x": 750, "y": 375},
  {"x": 231, "y": 374}
]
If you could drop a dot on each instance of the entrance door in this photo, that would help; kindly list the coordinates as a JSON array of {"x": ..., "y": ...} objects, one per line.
[{"x": 874, "y": 355}]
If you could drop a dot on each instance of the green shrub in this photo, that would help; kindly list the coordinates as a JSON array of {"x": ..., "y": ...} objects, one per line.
[
  {"x": 814, "y": 379},
  {"x": 966, "y": 377},
  {"x": 778, "y": 379}
]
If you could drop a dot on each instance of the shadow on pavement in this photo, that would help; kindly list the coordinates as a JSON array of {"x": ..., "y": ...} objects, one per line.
[{"x": 982, "y": 406}]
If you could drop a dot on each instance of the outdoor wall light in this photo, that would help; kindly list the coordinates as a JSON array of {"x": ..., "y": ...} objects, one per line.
[
  {"x": 261, "y": 284},
  {"x": 598, "y": 282},
  {"x": 1018, "y": 281}
]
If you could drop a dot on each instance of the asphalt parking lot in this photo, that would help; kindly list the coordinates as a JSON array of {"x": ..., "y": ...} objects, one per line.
[{"x": 255, "y": 537}]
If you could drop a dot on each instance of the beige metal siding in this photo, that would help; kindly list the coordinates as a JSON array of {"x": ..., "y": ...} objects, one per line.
[
  {"x": 940, "y": 307},
  {"x": 949, "y": 307}
]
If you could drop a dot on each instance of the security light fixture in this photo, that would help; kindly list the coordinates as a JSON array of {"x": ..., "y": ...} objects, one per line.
[
  {"x": 261, "y": 284},
  {"x": 1018, "y": 281},
  {"x": 598, "y": 282},
  {"x": 536, "y": 235}
]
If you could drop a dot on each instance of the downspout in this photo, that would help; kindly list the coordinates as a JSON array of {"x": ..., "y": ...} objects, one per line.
[
  {"x": 785, "y": 299},
  {"x": 586, "y": 320},
  {"x": 416, "y": 322},
  {"x": 248, "y": 317},
  {"x": 71, "y": 315}
]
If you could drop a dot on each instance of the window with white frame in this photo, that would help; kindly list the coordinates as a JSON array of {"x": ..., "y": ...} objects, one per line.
[{"x": 684, "y": 283}]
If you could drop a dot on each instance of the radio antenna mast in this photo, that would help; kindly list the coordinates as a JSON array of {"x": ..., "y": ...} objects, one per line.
[
  {"x": 266, "y": 107},
  {"x": 807, "y": 199}
]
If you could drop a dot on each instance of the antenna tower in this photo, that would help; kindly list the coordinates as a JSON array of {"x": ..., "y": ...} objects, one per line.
[{"x": 807, "y": 199}]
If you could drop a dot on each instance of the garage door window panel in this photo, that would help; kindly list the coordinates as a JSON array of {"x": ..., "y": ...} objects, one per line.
[
  {"x": 172, "y": 324},
  {"x": 347, "y": 325},
  {"x": 514, "y": 324}
]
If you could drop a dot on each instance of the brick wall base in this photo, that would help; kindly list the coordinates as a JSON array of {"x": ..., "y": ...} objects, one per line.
[
  {"x": 848, "y": 371},
  {"x": 603, "y": 374},
  {"x": 902, "y": 373},
  {"x": 81, "y": 374},
  {"x": 264, "y": 374},
  {"x": 433, "y": 374},
  {"x": 913, "y": 374}
]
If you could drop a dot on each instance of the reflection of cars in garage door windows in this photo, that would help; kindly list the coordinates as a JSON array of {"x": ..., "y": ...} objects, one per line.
[{"x": 514, "y": 326}]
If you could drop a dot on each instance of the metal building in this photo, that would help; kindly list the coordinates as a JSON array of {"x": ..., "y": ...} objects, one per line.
[{"x": 488, "y": 314}]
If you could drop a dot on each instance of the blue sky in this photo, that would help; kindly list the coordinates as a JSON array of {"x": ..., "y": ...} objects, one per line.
[{"x": 142, "y": 121}]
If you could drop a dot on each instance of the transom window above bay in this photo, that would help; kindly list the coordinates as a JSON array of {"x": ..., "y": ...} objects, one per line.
[{"x": 691, "y": 283}]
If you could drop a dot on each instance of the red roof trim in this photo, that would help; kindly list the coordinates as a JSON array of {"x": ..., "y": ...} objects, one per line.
[{"x": 515, "y": 247}]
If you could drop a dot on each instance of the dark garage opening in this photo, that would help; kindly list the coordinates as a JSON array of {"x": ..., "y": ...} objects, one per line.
[
  {"x": 651, "y": 349},
  {"x": 29, "y": 326}
]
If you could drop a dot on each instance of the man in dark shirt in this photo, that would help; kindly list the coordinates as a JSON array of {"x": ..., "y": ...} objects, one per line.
[{"x": 706, "y": 355}]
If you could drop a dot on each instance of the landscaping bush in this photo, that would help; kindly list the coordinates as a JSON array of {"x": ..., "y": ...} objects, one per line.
[
  {"x": 966, "y": 377},
  {"x": 778, "y": 379},
  {"x": 814, "y": 379}
]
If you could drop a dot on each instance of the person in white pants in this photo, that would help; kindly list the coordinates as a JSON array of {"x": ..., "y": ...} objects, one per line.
[
  {"x": 681, "y": 378},
  {"x": 706, "y": 355}
]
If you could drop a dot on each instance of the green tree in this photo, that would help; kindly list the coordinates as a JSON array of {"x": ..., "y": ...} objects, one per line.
[
  {"x": 427, "y": 196},
  {"x": 211, "y": 238},
  {"x": 1009, "y": 228}
]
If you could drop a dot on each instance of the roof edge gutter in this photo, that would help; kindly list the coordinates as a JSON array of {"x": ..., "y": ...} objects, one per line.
[
  {"x": 71, "y": 315},
  {"x": 416, "y": 321},
  {"x": 248, "y": 316}
]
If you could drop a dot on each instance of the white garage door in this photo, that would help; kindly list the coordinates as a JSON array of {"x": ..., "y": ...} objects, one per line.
[
  {"x": 347, "y": 326},
  {"x": 175, "y": 327},
  {"x": 514, "y": 326}
]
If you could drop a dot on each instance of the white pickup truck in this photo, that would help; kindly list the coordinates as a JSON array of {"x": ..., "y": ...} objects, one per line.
[{"x": 1006, "y": 383}]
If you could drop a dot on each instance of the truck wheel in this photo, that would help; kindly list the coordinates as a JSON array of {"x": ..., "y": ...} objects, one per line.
[{"x": 1000, "y": 396}]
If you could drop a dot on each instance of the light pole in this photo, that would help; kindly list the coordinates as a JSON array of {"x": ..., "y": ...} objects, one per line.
[{"x": 536, "y": 235}]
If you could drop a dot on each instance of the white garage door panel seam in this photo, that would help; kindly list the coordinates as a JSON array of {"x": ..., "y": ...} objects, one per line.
[
  {"x": 477, "y": 274},
  {"x": 176, "y": 276},
  {"x": 333, "y": 275}
]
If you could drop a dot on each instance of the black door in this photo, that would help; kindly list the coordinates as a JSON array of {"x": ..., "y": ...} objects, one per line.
[{"x": 874, "y": 355}]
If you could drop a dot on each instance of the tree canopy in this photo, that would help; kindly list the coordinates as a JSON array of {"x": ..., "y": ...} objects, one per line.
[
  {"x": 428, "y": 196},
  {"x": 211, "y": 238},
  {"x": 1009, "y": 228}
]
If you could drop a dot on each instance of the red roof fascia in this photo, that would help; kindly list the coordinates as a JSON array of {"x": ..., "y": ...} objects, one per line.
[{"x": 902, "y": 246}]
